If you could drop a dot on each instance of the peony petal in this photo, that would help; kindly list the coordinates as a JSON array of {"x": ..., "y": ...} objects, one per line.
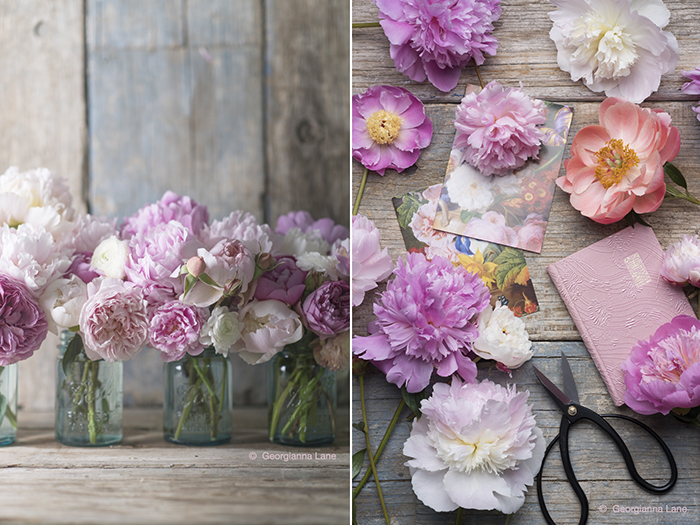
[
  {"x": 428, "y": 487},
  {"x": 445, "y": 79},
  {"x": 654, "y": 10},
  {"x": 476, "y": 490}
]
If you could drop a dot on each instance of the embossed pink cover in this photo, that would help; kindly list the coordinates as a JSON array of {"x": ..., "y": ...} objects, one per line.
[{"x": 616, "y": 297}]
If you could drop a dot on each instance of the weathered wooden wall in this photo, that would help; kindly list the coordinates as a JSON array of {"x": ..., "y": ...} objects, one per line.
[{"x": 241, "y": 104}]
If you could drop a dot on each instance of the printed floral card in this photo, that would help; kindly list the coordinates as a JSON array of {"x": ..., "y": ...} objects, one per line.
[
  {"x": 503, "y": 269},
  {"x": 512, "y": 209}
]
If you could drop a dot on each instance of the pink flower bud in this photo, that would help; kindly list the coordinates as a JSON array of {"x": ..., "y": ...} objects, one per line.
[
  {"x": 266, "y": 261},
  {"x": 196, "y": 266}
]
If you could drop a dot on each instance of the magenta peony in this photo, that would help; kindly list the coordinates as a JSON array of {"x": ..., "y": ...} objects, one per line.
[
  {"x": 435, "y": 39},
  {"x": 476, "y": 446},
  {"x": 618, "y": 166},
  {"x": 389, "y": 128},
  {"x": 692, "y": 87},
  {"x": 498, "y": 128},
  {"x": 370, "y": 263},
  {"x": 23, "y": 327},
  {"x": 113, "y": 321},
  {"x": 425, "y": 323},
  {"x": 327, "y": 309},
  {"x": 663, "y": 372},
  {"x": 175, "y": 329},
  {"x": 682, "y": 262}
]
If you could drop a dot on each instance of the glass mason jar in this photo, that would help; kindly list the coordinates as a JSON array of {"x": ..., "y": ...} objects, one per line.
[
  {"x": 8, "y": 404},
  {"x": 197, "y": 400},
  {"x": 88, "y": 401},
  {"x": 301, "y": 398}
]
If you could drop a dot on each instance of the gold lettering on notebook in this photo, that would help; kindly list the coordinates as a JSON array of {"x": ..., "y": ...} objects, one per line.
[{"x": 639, "y": 273}]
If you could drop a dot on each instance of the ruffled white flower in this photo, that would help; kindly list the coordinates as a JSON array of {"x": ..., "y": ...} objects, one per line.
[
  {"x": 334, "y": 352},
  {"x": 617, "y": 47},
  {"x": 221, "y": 330},
  {"x": 91, "y": 230},
  {"x": 62, "y": 302},
  {"x": 31, "y": 256},
  {"x": 110, "y": 257},
  {"x": 245, "y": 228},
  {"x": 502, "y": 337},
  {"x": 297, "y": 243},
  {"x": 36, "y": 197},
  {"x": 469, "y": 189}
]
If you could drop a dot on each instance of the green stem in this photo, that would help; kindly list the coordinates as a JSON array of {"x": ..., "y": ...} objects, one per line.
[
  {"x": 674, "y": 193},
  {"x": 381, "y": 446},
  {"x": 224, "y": 381},
  {"x": 369, "y": 450},
  {"x": 359, "y": 193},
  {"x": 277, "y": 407},
  {"x": 9, "y": 414},
  {"x": 458, "y": 521},
  {"x": 92, "y": 386},
  {"x": 301, "y": 411},
  {"x": 358, "y": 25},
  {"x": 189, "y": 402}
]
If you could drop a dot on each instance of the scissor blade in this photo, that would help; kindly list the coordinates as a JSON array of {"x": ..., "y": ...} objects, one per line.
[
  {"x": 569, "y": 384},
  {"x": 559, "y": 397}
]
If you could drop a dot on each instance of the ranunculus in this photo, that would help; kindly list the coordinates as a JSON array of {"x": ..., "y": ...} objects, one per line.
[
  {"x": 285, "y": 282},
  {"x": 618, "y": 166},
  {"x": 23, "y": 327},
  {"x": 499, "y": 129},
  {"x": 617, "y": 47},
  {"x": 425, "y": 323},
  {"x": 334, "y": 352},
  {"x": 502, "y": 337},
  {"x": 63, "y": 301},
  {"x": 475, "y": 446},
  {"x": 389, "y": 128},
  {"x": 326, "y": 228},
  {"x": 663, "y": 372},
  {"x": 370, "y": 263},
  {"x": 113, "y": 321},
  {"x": 327, "y": 309},
  {"x": 266, "y": 327},
  {"x": 681, "y": 264},
  {"x": 175, "y": 331},
  {"x": 171, "y": 207},
  {"x": 692, "y": 87},
  {"x": 436, "y": 39},
  {"x": 110, "y": 257},
  {"x": 221, "y": 330}
]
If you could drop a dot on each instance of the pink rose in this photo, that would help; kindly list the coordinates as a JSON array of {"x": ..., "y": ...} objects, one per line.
[
  {"x": 531, "y": 233},
  {"x": 491, "y": 226}
]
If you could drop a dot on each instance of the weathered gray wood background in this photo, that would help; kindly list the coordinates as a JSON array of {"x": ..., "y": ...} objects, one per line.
[
  {"x": 527, "y": 54},
  {"x": 241, "y": 104}
]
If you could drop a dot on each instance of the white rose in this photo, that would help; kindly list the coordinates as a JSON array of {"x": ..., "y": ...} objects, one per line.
[
  {"x": 502, "y": 337},
  {"x": 222, "y": 330},
  {"x": 110, "y": 257},
  {"x": 62, "y": 302}
]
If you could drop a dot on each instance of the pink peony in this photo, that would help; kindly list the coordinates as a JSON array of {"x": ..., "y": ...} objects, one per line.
[
  {"x": 285, "y": 282},
  {"x": 663, "y": 372},
  {"x": 531, "y": 233},
  {"x": 113, "y": 321},
  {"x": 23, "y": 327},
  {"x": 326, "y": 228},
  {"x": 175, "y": 329},
  {"x": 498, "y": 128},
  {"x": 243, "y": 227},
  {"x": 617, "y": 47},
  {"x": 171, "y": 207},
  {"x": 370, "y": 263},
  {"x": 682, "y": 262},
  {"x": 435, "y": 39},
  {"x": 425, "y": 323},
  {"x": 327, "y": 309},
  {"x": 476, "y": 446},
  {"x": 692, "y": 87},
  {"x": 389, "y": 128},
  {"x": 617, "y": 167}
]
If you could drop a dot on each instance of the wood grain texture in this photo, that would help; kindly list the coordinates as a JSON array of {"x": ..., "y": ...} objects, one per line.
[
  {"x": 597, "y": 464},
  {"x": 146, "y": 480},
  {"x": 308, "y": 132}
]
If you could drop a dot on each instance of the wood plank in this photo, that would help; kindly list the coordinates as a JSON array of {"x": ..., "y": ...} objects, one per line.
[
  {"x": 598, "y": 465},
  {"x": 308, "y": 107}
]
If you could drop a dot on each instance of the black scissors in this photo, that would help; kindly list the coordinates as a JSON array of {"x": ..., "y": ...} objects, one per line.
[{"x": 573, "y": 412}]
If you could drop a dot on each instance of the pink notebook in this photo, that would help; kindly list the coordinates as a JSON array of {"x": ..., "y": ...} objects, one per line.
[{"x": 616, "y": 297}]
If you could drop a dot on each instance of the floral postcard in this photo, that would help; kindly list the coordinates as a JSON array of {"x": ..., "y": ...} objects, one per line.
[
  {"x": 503, "y": 269},
  {"x": 512, "y": 209}
]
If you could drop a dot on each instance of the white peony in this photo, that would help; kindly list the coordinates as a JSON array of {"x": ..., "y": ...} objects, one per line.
[
  {"x": 469, "y": 189},
  {"x": 110, "y": 257},
  {"x": 91, "y": 230},
  {"x": 221, "y": 330},
  {"x": 502, "y": 337},
  {"x": 617, "y": 47},
  {"x": 297, "y": 243},
  {"x": 62, "y": 302},
  {"x": 334, "y": 352}
]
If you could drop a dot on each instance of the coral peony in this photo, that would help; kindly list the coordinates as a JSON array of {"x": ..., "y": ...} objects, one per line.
[
  {"x": 617, "y": 47},
  {"x": 435, "y": 39},
  {"x": 425, "y": 322},
  {"x": 618, "y": 166},
  {"x": 498, "y": 128},
  {"x": 663, "y": 372},
  {"x": 476, "y": 446},
  {"x": 389, "y": 128},
  {"x": 370, "y": 263},
  {"x": 682, "y": 262},
  {"x": 23, "y": 326}
]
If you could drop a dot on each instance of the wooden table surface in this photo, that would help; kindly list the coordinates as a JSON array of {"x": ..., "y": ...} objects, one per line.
[
  {"x": 526, "y": 54},
  {"x": 147, "y": 480}
]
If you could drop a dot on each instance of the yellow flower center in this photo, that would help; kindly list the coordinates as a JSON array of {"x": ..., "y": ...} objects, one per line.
[
  {"x": 383, "y": 126},
  {"x": 614, "y": 161}
]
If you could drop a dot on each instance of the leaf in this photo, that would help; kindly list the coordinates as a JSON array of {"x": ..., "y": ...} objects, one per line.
[
  {"x": 407, "y": 209},
  {"x": 3, "y": 407},
  {"x": 359, "y": 426},
  {"x": 465, "y": 216},
  {"x": 358, "y": 458},
  {"x": 72, "y": 352},
  {"x": 510, "y": 263},
  {"x": 675, "y": 175},
  {"x": 633, "y": 217},
  {"x": 413, "y": 400},
  {"x": 190, "y": 281},
  {"x": 208, "y": 280}
]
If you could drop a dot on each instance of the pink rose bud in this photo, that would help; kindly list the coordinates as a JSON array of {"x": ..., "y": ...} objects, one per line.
[
  {"x": 266, "y": 261},
  {"x": 196, "y": 266}
]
